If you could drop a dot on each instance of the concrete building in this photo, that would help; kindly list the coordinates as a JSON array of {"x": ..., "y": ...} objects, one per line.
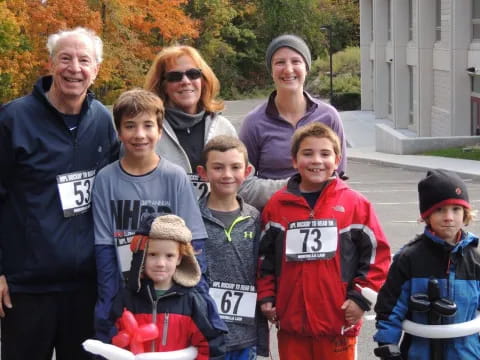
[{"x": 421, "y": 72}]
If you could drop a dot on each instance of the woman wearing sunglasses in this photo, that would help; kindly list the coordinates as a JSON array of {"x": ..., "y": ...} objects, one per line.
[{"x": 188, "y": 87}]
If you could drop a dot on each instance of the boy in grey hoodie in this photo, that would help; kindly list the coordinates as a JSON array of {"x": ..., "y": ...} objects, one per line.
[{"x": 231, "y": 250}]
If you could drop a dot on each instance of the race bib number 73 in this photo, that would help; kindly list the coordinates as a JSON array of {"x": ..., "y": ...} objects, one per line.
[
  {"x": 311, "y": 240},
  {"x": 75, "y": 190}
]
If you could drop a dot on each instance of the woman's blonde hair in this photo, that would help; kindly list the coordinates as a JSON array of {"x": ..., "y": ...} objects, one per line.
[{"x": 155, "y": 79}]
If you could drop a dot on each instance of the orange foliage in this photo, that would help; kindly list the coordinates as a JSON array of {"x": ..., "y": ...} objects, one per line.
[{"x": 133, "y": 31}]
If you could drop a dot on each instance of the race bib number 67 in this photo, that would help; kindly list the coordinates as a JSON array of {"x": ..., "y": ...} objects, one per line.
[
  {"x": 75, "y": 190},
  {"x": 235, "y": 302},
  {"x": 311, "y": 240}
]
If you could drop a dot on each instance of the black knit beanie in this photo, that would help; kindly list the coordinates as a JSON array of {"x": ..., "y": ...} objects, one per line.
[
  {"x": 292, "y": 41},
  {"x": 440, "y": 188}
]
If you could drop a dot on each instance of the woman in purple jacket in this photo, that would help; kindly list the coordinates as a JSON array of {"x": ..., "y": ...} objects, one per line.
[{"x": 267, "y": 130}]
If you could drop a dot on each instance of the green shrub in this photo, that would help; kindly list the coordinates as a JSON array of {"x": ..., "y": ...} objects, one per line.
[
  {"x": 346, "y": 101},
  {"x": 346, "y": 73}
]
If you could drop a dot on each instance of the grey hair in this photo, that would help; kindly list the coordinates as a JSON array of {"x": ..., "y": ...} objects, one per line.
[{"x": 97, "y": 43}]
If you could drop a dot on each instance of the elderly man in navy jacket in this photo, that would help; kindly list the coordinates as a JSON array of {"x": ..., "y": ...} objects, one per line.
[{"x": 52, "y": 143}]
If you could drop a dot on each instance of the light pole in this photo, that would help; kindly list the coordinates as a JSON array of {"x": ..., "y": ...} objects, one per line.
[{"x": 329, "y": 29}]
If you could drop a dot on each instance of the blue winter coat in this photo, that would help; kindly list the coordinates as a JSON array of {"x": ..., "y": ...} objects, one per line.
[
  {"x": 40, "y": 249},
  {"x": 457, "y": 269}
]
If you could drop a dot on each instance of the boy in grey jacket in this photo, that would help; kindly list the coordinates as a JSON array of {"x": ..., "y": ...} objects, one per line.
[{"x": 232, "y": 247}]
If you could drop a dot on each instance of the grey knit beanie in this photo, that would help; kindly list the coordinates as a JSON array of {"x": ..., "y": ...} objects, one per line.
[{"x": 293, "y": 42}]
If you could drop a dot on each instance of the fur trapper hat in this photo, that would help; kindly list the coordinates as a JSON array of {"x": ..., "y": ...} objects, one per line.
[
  {"x": 440, "y": 188},
  {"x": 163, "y": 227}
]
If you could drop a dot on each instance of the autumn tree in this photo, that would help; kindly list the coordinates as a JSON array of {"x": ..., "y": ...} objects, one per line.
[
  {"x": 134, "y": 31},
  {"x": 14, "y": 55},
  {"x": 25, "y": 25},
  {"x": 228, "y": 42}
]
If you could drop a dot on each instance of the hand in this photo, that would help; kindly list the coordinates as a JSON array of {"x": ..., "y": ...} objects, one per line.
[
  {"x": 388, "y": 352},
  {"x": 353, "y": 312},
  {"x": 269, "y": 312},
  {"x": 4, "y": 295}
]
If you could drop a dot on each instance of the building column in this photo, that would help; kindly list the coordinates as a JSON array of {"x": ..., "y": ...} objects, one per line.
[
  {"x": 461, "y": 27},
  {"x": 400, "y": 75},
  {"x": 366, "y": 25},
  {"x": 425, "y": 24},
  {"x": 380, "y": 36}
]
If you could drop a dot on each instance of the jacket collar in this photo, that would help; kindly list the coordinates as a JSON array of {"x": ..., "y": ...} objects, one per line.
[
  {"x": 272, "y": 110},
  {"x": 293, "y": 184},
  {"x": 466, "y": 239},
  {"x": 43, "y": 85},
  {"x": 202, "y": 203}
]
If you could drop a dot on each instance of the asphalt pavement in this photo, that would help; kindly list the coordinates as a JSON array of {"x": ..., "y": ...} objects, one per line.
[{"x": 388, "y": 181}]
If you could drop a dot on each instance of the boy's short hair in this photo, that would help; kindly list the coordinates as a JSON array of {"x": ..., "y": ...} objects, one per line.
[
  {"x": 316, "y": 129},
  {"x": 136, "y": 101},
  {"x": 223, "y": 143}
]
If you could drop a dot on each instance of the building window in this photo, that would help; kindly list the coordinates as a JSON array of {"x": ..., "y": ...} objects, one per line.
[
  {"x": 389, "y": 19},
  {"x": 475, "y": 103},
  {"x": 476, "y": 20},
  {"x": 410, "y": 20},
  {"x": 438, "y": 20},
  {"x": 410, "y": 101}
]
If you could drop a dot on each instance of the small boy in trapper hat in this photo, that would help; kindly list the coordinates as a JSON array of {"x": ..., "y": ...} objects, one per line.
[
  {"x": 444, "y": 252},
  {"x": 161, "y": 289}
]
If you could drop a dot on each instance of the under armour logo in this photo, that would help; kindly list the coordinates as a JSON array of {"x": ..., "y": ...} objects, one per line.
[
  {"x": 339, "y": 208},
  {"x": 248, "y": 234}
]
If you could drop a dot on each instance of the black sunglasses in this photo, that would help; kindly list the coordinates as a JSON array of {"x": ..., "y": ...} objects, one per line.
[{"x": 176, "y": 76}]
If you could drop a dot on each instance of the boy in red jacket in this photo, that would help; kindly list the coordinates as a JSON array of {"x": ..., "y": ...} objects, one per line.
[
  {"x": 320, "y": 239},
  {"x": 161, "y": 290}
]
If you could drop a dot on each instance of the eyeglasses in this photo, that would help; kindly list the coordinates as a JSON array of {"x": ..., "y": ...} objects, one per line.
[{"x": 176, "y": 76}]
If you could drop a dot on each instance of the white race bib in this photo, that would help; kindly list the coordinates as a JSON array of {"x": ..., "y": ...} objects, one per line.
[
  {"x": 75, "y": 190},
  {"x": 123, "y": 240},
  {"x": 311, "y": 240},
  {"x": 235, "y": 302},
  {"x": 201, "y": 187}
]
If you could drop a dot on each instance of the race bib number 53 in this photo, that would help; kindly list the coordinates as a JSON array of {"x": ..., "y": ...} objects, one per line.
[
  {"x": 311, "y": 240},
  {"x": 75, "y": 190}
]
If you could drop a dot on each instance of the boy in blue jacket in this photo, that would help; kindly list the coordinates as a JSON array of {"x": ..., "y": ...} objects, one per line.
[{"x": 444, "y": 252}]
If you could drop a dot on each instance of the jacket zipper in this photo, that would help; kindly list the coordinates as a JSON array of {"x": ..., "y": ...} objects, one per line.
[
  {"x": 228, "y": 232},
  {"x": 165, "y": 329},
  {"x": 154, "y": 317},
  {"x": 177, "y": 143},
  {"x": 154, "y": 314}
]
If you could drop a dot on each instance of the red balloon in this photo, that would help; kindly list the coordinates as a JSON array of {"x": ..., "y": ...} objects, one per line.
[
  {"x": 146, "y": 332},
  {"x": 122, "y": 339},
  {"x": 129, "y": 322},
  {"x": 136, "y": 347},
  {"x": 133, "y": 336}
]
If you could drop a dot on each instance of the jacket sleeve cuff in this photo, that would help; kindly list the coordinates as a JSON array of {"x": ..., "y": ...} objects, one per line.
[
  {"x": 267, "y": 299},
  {"x": 361, "y": 301}
]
